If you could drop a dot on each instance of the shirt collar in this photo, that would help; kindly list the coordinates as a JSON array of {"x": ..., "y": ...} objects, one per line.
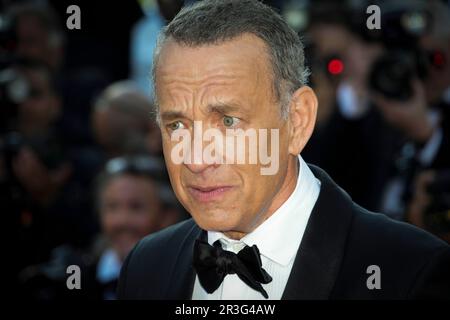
[
  {"x": 285, "y": 226},
  {"x": 108, "y": 267}
]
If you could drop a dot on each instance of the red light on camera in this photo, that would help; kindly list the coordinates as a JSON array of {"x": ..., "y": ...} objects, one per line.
[
  {"x": 438, "y": 59},
  {"x": 335, "y": 66}
]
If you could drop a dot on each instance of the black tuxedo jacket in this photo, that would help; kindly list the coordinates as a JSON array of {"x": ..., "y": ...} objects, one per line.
[{"x": 340, "y": 242}]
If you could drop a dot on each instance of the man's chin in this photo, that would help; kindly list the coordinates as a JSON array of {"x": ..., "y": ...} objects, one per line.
[{"x": 219, "y": 225}]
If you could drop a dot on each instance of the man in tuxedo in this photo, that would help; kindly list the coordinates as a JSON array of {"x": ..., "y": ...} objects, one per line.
[{"x": 292, "y": 234}]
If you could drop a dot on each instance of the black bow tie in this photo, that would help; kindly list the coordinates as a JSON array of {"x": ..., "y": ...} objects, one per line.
[{"x": 212, "y": 264}]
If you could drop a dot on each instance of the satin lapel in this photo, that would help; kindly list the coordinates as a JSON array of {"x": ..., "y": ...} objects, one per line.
[
  {"x": 183, "y": 274},
  {"x": 318, "y": 260}
]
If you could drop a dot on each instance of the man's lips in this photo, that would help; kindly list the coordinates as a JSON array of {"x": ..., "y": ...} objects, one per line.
[{"x": 205, "y": 194}]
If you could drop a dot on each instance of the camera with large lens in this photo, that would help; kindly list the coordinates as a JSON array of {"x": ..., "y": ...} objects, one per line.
[
  {"x": 404, "y": 60},
  {"x": 393, "y": 72}
]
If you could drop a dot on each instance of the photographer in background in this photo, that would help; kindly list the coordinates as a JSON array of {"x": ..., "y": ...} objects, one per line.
[
  {"x": 409, "y": 85},
  {"x": 383, "y": 126},
  {"x": 133, "y": 200},
  {"x": 34, "y": 164},
  {"x": 354, "y": 143},
  {"x": 429, "y": 195},
  {"x": 45, "y": 206}
]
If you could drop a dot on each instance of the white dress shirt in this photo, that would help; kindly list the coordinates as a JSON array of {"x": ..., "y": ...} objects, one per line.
[{"x": 278, "y": 240}]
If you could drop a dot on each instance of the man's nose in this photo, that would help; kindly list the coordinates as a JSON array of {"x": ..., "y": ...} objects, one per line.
[
  {"x": 199, "y": 165},
  {"x": 203, "y": 154},
  {"x": 120, "y": 217}
]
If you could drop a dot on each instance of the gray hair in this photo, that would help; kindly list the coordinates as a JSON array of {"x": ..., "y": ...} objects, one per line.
[{"x": 214, "y": 21}]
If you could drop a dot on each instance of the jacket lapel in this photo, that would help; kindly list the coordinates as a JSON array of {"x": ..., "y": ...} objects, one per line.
[
  {"x": 181, "y": 283},
  {"x": 319, "y": 257}
]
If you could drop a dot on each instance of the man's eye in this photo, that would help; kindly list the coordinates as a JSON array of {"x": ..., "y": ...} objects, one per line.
[
  {"x": 230, "y": 121},
  {"x": 175, "y": 125}
]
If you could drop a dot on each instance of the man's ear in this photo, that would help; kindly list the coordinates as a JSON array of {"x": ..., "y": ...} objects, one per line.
[{"x": 302, "y": 117}]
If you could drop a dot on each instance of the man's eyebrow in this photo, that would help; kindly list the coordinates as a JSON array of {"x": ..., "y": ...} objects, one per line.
[
  {"x": 172, "y": 115},
  {"x": 224, "y": 108}
]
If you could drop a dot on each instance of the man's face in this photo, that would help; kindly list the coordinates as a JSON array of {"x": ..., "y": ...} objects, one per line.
[
  {"x": 129, "y": 210},
  {"x": 32, "y": 39},
  {"x": 225, "y": 86},
  {"x": 42, "y": 106},
  {"x": 36, "y": 43}
]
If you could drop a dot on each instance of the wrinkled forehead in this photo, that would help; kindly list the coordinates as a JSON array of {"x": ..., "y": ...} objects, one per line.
[{"x": 245, "y": 56}]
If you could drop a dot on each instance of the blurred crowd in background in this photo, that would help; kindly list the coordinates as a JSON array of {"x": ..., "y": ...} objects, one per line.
[{"x": 82, "y": 177}]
